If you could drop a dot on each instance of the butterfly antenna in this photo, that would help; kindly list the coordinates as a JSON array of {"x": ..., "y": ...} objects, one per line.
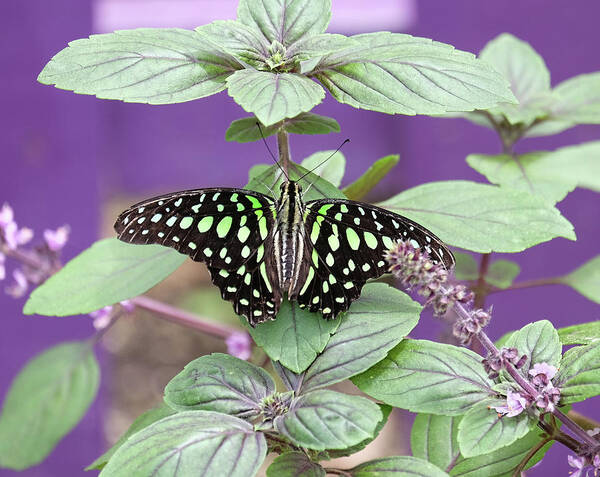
[
  {"x": 323, "y": 162},
  {"x": 270, "y": 152}
]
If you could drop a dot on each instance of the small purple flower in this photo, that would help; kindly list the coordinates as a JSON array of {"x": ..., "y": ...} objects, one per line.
[
  {"x": 56, "y": 239},
  {"x": 239, "y": 345},
  {"x": 515, "y": 405},
  {"x": 2, "y": 269},
  {"x": 102, "y": 317},
  {"x": 7, "y": 215},
  {"x": 18, "y": 288},
  {"x": 543, "y": 368},
  {"x": 127, "y": 305},
  {"x": 579, "y": 463}
]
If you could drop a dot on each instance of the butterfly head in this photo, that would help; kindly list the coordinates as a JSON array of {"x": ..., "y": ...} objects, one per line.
[{"x": 290, "y": 188}]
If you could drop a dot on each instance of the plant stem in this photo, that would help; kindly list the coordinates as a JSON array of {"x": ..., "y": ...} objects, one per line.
[
  {"x": 331, "y": 470},
  {"x": 182, "y": 317},
  {"x": 283, "y": 145},
  {"x": 480, "y": 289},
  {"x": 584, "y": 421},
  {"x": 533, "y": 451},
  {"x": 529, "y": 284}
]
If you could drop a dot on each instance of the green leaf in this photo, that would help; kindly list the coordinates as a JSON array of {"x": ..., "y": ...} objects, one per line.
[
  {"x": 582, "y": 334},
  {"x": 502, "y": 273},
  {"x": 400, "y": 74},
  {"x": 579, "y": 375},
  {"x": 551, "y": 175},
  {"x": 245, "y": 129},
  {"x": 539, "y": 341},
  {"x": 397, "y": 466},
  {"x": 284, "y": 21},
  {"x": 326, "y": 419},
  {"x": 141, "y": 422},
  {"x": 108, "y": 272},
  {"x": 236, "y": 39},
  {"x": 45, "y": 401},
  {"x": 148, "y": 65},
  {"x": 372, "y": 176},
  {"x": 423, "y": 376},
  {"x": 294, "y": 464},
  {"x": 482, "y": 430},
  {"x": 220, "y": 383},
  {"x": 273, "y": 97},
  {"x": 267, "y": 180},
  {"x": 433, "y": 438},
  {"x": 332, "y": 170},
  {"x": 377, "y": 322},
  {"x": 586, "y": 279},
  {"x": 386, "y": 411},
  {"x": 191, "y": 443},
  {"x": 502, "y": 462},
  {"x": 310, "y": 48},
  {"x": 480, "y": 217},
  {"x": 527, "y": 72},
  {"x": 295, "y": 337},
  {"x": 574, "y": 101},
  {"x": 466, "y": 266}
]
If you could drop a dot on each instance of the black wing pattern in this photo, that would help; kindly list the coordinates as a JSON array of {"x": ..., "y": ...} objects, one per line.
[
  {"x": 228, "y": 229},
  {"x": 346, "y": 242}
]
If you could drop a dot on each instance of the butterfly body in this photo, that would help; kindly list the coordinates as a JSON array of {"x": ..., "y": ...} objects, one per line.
[{"x": 259, "y": 249}]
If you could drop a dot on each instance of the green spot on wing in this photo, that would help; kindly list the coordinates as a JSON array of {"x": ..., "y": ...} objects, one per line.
[
  {"x": 353, "y": 239},
  {"x": 224, "y": 226},
  {"x": 186, "y": 222},
  {"x": 205, "y": 224}
]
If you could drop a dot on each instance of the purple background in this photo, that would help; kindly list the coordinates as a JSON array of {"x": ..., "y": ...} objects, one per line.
[{"x": 63, "y": 154}]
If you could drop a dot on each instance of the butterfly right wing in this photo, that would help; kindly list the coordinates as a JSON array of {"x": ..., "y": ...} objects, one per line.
[{"x": 228, "y": 229}]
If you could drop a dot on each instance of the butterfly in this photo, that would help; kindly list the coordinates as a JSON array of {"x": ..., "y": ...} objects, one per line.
[{"x": 259, "y": 249}]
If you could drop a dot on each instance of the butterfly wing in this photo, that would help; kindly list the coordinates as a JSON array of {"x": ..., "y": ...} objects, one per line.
[
  {"x": 228, "y": 229},
  {"x": 346, "y": 243}
]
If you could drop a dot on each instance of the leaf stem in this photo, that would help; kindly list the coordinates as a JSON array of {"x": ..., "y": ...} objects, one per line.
[
  {"x": 332, "y": 470},
  {"x": 533, "y": 451},
  {"x": 283, "y": 145},
  {"x": 480, "y": 289},
  {"x": 182, "y": 317}
]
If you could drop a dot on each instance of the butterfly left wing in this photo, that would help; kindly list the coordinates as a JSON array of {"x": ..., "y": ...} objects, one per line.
[{"x": 346, "y": 243}]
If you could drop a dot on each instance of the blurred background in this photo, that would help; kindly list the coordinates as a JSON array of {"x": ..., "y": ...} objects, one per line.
[{"x": 69, "y": 159}]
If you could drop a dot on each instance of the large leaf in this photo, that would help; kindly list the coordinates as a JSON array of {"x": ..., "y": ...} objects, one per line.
[
  {"x": 273, "y": 97},
  {"x": 246, "y": 130},
  {"x": 502, "y": 462},
  {"x": 237, "y": 39},
  {"x": 525, "y": 69},
  {"x": 579, "y": 374},
  {"x": 191, "y": 443},
  {"x": 108, "y": 272},
  {"x": 330, "y": 165},
  {"x": 581, "y": 334},
  {"x": 551, "y": 175},
  {"x": 574, "y": 101},
  {"x": 372, "y": 176},
  {"x": 285, "y": 21},
  {"x": 539, "y": 341},
  {"x": 156, "y": 66},
  {"x": 220, "y": 383},
  {"x": 423, "y": 376},
  {"x": 397, "y": 466},
  {"x": 267, "y": 180},
  {"x": 374, "y": 324},
  {"x": 141, "y": 422},
  {"x": 45, "y": 401},
  {"x": 480, "y": 217},
  {"x": 397, "y": 73},
  {"x": 294, "y": 464},
  {"x": 482, "y": 430},
  {"x": 433, "y": 438},
  {"x": 295, "y": 337},
  {"x": 586, "y": 279},
  {"x": 326, "y": 419}
]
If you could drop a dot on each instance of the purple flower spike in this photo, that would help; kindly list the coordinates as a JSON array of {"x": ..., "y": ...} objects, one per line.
[
  {"x": 239, "y": 345},
  {"x": 577, "y": 462},
  {"x": 543, "y": 368},
  {"x": 515, "y": 405},
  {"x": 56, "y": 239}
]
